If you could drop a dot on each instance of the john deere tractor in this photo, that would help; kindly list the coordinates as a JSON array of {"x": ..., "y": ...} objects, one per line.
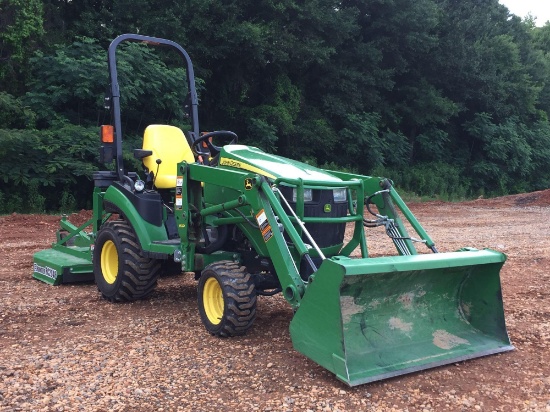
[{"x": 249, "y": 223}]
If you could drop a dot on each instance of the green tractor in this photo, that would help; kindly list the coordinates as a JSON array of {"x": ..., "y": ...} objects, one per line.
[{"x": 250, "y": 223}]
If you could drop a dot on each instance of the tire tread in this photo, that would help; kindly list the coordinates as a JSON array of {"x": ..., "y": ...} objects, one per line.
[
  {"x": 139, "y": 275},
  {"x": 240, "y": 295}
]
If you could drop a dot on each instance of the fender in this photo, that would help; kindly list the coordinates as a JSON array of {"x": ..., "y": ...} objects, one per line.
[{"x": 149, "y": 233}]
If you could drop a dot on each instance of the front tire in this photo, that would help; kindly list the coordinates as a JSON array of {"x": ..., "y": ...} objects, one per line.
[
  {"x": 121, "y": 272},
  {"x": 227, "y": 299}
]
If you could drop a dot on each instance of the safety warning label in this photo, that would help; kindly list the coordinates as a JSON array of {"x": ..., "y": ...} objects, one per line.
[
  {"x": 264, "y": 225},
  {"x": 179, "y": 193}
]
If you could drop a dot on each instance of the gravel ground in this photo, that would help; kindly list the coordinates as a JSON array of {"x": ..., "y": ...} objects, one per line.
[{"x": 65, "y": 349}]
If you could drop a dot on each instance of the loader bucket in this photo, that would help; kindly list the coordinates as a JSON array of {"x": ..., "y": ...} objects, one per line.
[{"x": 375, "y": 318}]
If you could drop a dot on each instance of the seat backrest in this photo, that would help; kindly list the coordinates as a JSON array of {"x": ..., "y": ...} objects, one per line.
[{"x": 168, "y": 143}]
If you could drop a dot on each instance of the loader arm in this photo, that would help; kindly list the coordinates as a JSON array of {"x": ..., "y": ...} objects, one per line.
[
  {"x": 264, "y": 209},
  {"x": 262, "y": 202},
  {"x": 259, "y": 199}
]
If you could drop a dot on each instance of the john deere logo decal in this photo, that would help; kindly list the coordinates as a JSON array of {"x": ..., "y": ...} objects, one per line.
[
  {"x": 248, "y": 183},
  {"x": 327, "y": 208}
]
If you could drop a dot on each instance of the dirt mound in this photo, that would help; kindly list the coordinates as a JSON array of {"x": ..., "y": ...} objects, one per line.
[{"x": 539, "y": 199}]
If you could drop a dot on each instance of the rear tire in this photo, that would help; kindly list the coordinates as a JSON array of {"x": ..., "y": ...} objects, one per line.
[
  {"x": 121, "y": 272},
  {"x": 227, "y": 299}
]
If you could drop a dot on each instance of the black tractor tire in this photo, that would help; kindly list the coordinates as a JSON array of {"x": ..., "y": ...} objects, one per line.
[
  {"x": 122, "y": 273},
  {"x": 227, "y": 299}
]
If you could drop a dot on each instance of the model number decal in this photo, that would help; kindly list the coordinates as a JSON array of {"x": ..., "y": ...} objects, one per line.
[
  {"x": 46, "y": 271},
  {"x": 231, "y": 163}
]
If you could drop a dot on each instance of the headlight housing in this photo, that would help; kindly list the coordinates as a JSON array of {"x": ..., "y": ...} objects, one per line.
[
  {"x": 340, "y": 195},
  {"x": 308, "y": 195}
]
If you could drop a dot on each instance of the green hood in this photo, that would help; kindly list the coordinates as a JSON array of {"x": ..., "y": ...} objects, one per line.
[{"x": 256, "y": 160}]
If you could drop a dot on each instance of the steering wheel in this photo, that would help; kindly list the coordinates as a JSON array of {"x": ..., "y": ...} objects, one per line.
[{"x": 214, "y": 150}]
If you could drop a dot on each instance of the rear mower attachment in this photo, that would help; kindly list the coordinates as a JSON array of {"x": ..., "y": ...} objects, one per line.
[{"x": 69, "y": 259}]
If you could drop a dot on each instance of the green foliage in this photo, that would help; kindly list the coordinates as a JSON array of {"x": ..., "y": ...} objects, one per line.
[
  {"x": 538, "y": 138},
  {"x": 67, "y": 202},
  {"x": 35, "y": 201},
  {"x": 152, "y": 91},
  {"x": 433, "y": 144},
  {"x": 431, "y": 181},
  {"x": 504, "y": 86},
  {"x": 278, "y": 114},
  {"x": 13, "y": 114},
  {"x": 263, "y": 134},
  {"x": 503, "y": 153},
  {"x": 365, "y": 145},
  {"x": 11, "y": 202},
  {"x": 21, "y": 25},
  {"x": 336, "y": 167},
  {"x": 361, "y": 138},
  {"x": 71, "y": 83},
  {"x": 314, "y": 137},
  {"x": 23, "y": 21},
  {"x": 38, "y": 163},
  {"x": 448, "y": 98},
  {"x": 68, "y": 84}
]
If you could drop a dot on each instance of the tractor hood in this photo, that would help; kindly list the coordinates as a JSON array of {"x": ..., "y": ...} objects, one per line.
[{"x": 269, "y": 165}]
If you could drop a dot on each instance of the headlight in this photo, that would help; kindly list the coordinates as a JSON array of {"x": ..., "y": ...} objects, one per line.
[
  {"x": 139, "y": 185},
  {"x": 340, "y": 195},
  {"x": 308, "y": 195}
]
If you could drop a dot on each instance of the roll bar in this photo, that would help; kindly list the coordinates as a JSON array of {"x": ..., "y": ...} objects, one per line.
[{"x": 115, "y": 90}]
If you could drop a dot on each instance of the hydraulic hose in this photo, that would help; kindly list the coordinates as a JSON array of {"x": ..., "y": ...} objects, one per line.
[{"x": 391, "y": 228}]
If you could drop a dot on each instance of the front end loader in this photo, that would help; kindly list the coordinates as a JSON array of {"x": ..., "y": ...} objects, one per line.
[{"x": 249, "y": 223}]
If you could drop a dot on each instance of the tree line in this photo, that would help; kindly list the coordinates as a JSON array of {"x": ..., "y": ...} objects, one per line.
[{"x": 448, "y": 98}]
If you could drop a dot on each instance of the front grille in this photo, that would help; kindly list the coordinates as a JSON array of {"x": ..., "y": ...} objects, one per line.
[{"x": 324, "y": 234}]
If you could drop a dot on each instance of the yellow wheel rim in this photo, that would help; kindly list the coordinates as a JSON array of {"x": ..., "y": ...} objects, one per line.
[
  {"x": 109, "y": 262},
  {"x": 212, "y": 298}
]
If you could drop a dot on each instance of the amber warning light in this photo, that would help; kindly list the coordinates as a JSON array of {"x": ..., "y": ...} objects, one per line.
[{"x": 107, "y": 133}]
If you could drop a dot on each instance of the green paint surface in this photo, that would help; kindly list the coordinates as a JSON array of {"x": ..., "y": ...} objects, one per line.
[{"x": 370, "y": 319}]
